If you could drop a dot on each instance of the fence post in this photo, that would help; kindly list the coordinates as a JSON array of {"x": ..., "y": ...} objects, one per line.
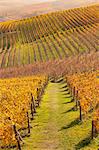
[
  {"x": 32, "y": 110},
  {"x": 28, "y": 122},
  {"x": 92, "y": 129},
  {"x": 17, "y": 139},
  {"x": 73, "y": 93},
  {"x": 33, "y": 104},
  {"x": 76, "y": 99}
]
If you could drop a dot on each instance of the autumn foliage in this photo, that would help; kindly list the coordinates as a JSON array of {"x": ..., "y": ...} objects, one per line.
[
  {"x": 15, "y": 102},
  {"x": 85, "y": 89}
]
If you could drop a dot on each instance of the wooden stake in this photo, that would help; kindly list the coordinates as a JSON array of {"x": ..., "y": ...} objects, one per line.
[
  {"x": 32, "y": 110},
  {"x": 33, "y": 104},
  {"x": 74, "y": 91},
  {"x": 17, "y": 139},
  {"x": 28, "y": 122},
  {"x": 92, "y": 129}
]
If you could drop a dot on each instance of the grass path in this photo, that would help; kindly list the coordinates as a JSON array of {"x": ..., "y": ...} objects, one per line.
[{"x": 56, "y": 125}]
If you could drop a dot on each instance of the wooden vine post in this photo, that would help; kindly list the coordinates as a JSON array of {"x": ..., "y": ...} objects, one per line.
[
  {"x": 76, "y": 99},
  {"x": 33, "y": 108},
  {"x": 33, "y": 104},
  {"x": 73, "y": 93},
  {"x": 70, "y": 89},
  {"x": 80, "y": 111},
  {"x": 94, "y": 131},
  {"x": 43, "y": 89},
  {"x": 28, "y": 122},
  {"x": 17, "y": 138},
  {"x": 37, "y": 97},
  {"x": 32, "y": 111}
]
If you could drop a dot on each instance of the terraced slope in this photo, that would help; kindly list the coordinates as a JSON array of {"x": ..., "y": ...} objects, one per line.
[{"x": 51, "y": 36}]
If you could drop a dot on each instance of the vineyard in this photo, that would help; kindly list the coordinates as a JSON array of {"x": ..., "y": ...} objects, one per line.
[
  {"x": 85, "y": 90},
  {"x": 46, "y": 37},
  {"x": 18, "y": 98},
  {"x": 49, "y": 81}
]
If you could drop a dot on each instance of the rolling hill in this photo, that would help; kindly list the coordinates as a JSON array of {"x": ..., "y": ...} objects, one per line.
[{"x": 51, "y": 36}]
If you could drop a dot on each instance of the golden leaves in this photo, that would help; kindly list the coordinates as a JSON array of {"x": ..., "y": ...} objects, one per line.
[
  {"x": 15, "y": 99},
  {"x": 87, "y": 85}
]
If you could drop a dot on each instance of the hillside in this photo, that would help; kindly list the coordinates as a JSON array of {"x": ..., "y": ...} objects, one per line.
[{"x": 51, "y": 36}]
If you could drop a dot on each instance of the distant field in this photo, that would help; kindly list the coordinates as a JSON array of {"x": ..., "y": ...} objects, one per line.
[{"x": 50, "y": 36}]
